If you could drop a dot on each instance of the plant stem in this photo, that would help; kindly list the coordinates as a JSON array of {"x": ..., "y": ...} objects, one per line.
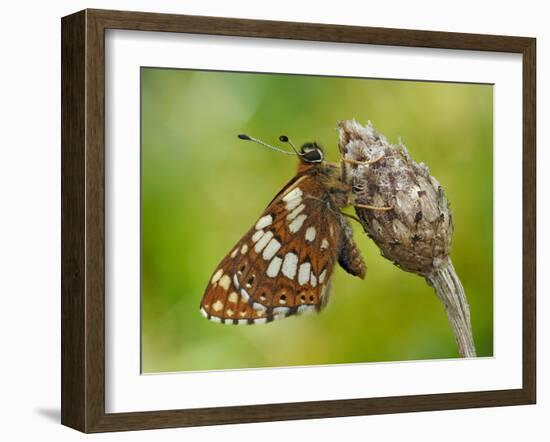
[{"x": 451, "y": 293}]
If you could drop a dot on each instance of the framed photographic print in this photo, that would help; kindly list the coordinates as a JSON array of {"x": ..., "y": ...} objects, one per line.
[{"x": 253, "y": 209}]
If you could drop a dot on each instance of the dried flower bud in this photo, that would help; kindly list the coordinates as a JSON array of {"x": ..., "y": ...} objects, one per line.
[{"x": 416, "y": 234}]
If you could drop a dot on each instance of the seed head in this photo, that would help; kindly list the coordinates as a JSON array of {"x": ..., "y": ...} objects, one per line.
[{"x": 416, "y": 234}]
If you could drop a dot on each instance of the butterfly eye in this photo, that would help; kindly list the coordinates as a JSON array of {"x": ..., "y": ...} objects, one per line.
[{"x": 311, "y": 153}]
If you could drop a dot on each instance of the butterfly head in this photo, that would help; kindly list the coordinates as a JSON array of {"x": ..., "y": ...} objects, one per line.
[{"x": 312, "y": 153}]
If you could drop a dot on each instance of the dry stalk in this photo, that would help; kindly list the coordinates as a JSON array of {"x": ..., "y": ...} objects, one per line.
[{"x": 416, "y": 234}]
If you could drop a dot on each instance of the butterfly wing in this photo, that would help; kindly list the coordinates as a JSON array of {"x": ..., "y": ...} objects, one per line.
[{"x": 283, "y": 264}]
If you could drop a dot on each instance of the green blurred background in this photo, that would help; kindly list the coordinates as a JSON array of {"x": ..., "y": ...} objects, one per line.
[{"x": 202, "y": 189}]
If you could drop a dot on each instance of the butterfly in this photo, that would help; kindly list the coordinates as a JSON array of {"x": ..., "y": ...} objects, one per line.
[{"x": 283, "y": 265}]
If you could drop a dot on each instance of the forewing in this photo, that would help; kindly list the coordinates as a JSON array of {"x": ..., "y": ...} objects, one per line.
[{"x": 283, "y": 264}]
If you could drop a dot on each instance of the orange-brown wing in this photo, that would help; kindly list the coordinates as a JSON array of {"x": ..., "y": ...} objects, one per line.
[{"x": 283, "y": 264}]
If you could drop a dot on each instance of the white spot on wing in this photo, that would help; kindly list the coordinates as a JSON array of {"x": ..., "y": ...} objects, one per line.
[
  {"x": 322, "y": 276},
  {"x": 263, "y": 241},
  {"x": 216, "y": 319},
  {"x": 217, "y": 306},
  {"x": 280, "y": 312},
  {"x": 303, "y": 273},
  {"x": 234, "y": 253},
  {"x": 272, "y": 248},
  {"x": 295, "y": 212},
  {"x": 313, "y": 280},
  {"x": 310, "y": 234},
  {"x": 293, "y": 199},
  {"x": 236, "y": 281},
  {"x": 296, "y": 225},
  {"x": 245, "y": 295},
  {"x": 217, "y": 276},
  {"x": 294, "y": 193},
  {"x": 264, "y": 221},
  {"x": 204, "y": 312},
  {"x": 244, "y": 249},
  {"x": 257, "y": 235},
  {"x": 291, "y": 205},
  {"x": 324, "y": 244},
  {"x": 306, "y": 309},
  {"x": 260, "y": 321},
  {"x": 259, "y": 307},
  {"x": 274, "y": 267},
  {"x": 225, "y": 282},
  {"x": 290, "y": 265},
  {"x": 233, "y": 297}
]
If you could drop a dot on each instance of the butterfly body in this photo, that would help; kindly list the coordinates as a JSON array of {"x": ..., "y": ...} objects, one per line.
[{"x": 283, "y": 264}]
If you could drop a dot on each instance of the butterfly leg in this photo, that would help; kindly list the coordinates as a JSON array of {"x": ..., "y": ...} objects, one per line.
[
  {"x": 366, "y": 206},
  {"x": 353, "y": 202},
  {"x": 362, "y": 163},
  {"x": 345, "y": 161}
]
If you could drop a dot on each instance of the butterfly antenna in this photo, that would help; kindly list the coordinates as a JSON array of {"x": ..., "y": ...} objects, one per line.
[
  {"x": 285, "y": 139},
  {"x": 249, "y": 138}
]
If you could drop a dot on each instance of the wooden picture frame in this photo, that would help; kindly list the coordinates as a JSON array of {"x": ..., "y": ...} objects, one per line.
[{"x": 83, "y": 220}]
